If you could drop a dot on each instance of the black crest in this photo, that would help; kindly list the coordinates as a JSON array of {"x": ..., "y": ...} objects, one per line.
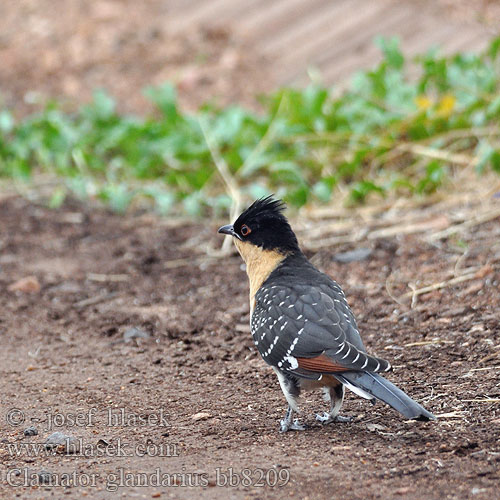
[{"x": 268, "y": 227}]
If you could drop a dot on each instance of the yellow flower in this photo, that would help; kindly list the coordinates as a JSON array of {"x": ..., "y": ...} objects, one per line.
[
  {"x": 446, "y": 105},
  {"x": 423, "y": 102}
]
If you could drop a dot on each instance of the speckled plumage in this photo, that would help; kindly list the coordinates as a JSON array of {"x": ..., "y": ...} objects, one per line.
[
  {"x": 301, "y": 322},
  {"x": 302, "y": 313}
]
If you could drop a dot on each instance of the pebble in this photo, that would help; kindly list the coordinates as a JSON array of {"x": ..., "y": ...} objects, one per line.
[
  {"x": 31, "y": 431},
  {"x": 353, "y": 255},
  {"x": 135, "y": 333},
  {"x": 200, "y": 416},
  {"x": 30, "y": 284},
  {"x": 375, "y": 427},
  {"x": 68, "y": 444}
]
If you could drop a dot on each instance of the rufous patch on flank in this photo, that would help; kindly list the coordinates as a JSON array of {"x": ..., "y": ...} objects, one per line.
[{"x": 320, "y": 364}]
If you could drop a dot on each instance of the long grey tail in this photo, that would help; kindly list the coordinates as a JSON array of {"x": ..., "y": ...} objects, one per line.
[{"x": 380, "y": 388}]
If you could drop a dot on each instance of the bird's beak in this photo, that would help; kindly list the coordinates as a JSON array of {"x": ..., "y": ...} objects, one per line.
[{"x": 229, "y": 230}]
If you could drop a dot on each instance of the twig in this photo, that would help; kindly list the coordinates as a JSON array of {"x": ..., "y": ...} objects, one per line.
[
  {"x": 389, "y": 291},
  {"x": 194, "y": 261},
  {"x": 450, "y": 136},
  {"x": 225, "y": 173},
  {"x": 484, "y": 400},
  {"x": 485, "y": 368},
  {"x": 438, "y": 286},
  {"x": 475, "y": 221},
  {"x": 430, "y": 342},
  {"x": 489, "y": 358},
  {"x": 438, "y": 154},
  {"x": 266, "y": 139},
  {"x": 453, "y": 414},
  {"x": 103, "y": 278},
  {"x": 463, "y": 133},
  {"x": 96, "y": 300}
]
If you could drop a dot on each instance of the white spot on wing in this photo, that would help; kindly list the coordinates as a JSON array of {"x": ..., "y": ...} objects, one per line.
[{"x": 293, "y": 362}]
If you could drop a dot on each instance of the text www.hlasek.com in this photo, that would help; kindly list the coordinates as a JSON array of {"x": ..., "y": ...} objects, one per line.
[
  {"x": 224, "y": 477},
  {"x": 102, "y": 449}
]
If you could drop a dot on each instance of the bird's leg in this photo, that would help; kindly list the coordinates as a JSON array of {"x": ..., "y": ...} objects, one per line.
[
  {"x": 291, "y": 390},
  {"x": 289, "y": 424},
  {"x": 336, "y": 397}
]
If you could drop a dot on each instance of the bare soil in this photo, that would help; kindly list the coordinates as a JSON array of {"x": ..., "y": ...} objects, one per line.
[
  {"x": 190, "y": 398},
  {"x": 204, "y": 395},
  {"x": 54, "y": 49}
]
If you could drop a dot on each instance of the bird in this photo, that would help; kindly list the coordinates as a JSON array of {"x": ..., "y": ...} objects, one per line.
[{"x": 301, "y": 322}]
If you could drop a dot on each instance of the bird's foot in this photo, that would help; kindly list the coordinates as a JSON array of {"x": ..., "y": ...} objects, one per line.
[
  {"x": 288, "y": 425},
  {"x": 326, "y": 418}
]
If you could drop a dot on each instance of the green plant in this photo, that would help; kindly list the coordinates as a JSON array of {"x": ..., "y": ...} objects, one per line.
[{"x": 385, "y": 133}]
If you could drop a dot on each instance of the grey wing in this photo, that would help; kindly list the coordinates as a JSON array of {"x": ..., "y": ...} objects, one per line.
[
  {"x": 347, "y": 321},
  {"x": 303, "y": 330}
]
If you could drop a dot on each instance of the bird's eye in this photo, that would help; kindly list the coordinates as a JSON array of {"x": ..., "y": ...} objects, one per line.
[{"x": 245, "y": 230}]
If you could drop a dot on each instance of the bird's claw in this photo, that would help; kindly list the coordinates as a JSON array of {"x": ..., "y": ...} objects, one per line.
[
  {"x": 326, "y": 418},
  {"x": 286, "y": 425}
]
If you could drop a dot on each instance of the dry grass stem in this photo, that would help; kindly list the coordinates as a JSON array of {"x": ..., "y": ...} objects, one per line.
[
  {"x": 429, "y": 342},
  {"x": 103, "y": 278},
  {"x": 440, "y": 285}
]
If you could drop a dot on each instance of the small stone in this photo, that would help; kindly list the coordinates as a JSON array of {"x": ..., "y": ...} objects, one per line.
[
  {"x": 30, "y": 284},
  {"x": 353, "y": 255},
  {"x": 31, "y": 431},
  {"x": 135, "y": 333},
  {"x": 403, "y": 491},
  {"x": 375, "y": 427},
  {"x": 200, "y": 416},
  {"x": 64, "y": 442}
]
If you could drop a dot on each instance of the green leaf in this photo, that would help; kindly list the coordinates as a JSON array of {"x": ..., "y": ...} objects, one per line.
[
  {"x": 119, "y": 196},
  {"x": 103, "y": 105},
  {"x": 57, "y": 198},
  {"x": 323, "y": 188},
  {"x": 435, "y": 173},
  {"x": 6, "y": 122},
  {"x": 494, "y": 48},
  {"x": 165, "y": 98},
  {"x": 362, "y": 189},
  {"x": 484, "y": 152},
  {"x": 390, "y": 49},
  {"x": 495, "y": 160},
  {"x": 256, "y": 191}
]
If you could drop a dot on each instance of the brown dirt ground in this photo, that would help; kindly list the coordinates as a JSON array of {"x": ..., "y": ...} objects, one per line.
[
  {"x": 63, "y": 352},
  {"x": 65, "y": 50},
  {"x": 63, "y": 355}
]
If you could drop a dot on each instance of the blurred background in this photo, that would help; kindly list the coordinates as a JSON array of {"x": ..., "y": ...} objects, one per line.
[
  {"x": 186, "y": 106},
  {"x": 228, "y": 50}
]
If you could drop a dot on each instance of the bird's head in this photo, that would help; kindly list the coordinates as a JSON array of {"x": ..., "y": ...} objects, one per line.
[{"x": 263, "y": 226}]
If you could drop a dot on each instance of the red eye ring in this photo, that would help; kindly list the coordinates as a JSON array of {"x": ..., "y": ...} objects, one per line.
[{"x": 245, "y": 230}]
